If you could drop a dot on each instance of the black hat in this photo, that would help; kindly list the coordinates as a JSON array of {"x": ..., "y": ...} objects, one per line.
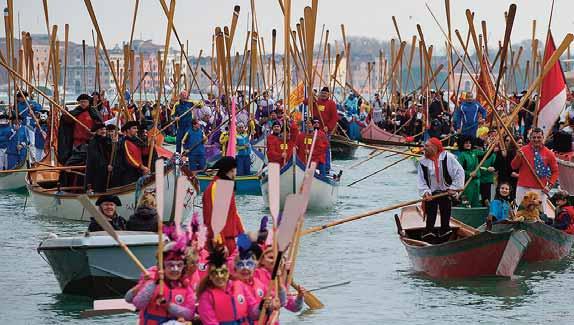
[
  {"x": 83, "y": 97},
  {"x": 109, "y": 198},
  {"x": 276, "y": 123},
  {"x": 224, "y": 165},
  {"x": 97, "y": 126},
  {"x": 129, "y": 125},
  {"x": 325, "y": 89},
  {"x": 95, "y": 93},
  {"x": 20, "y": 93},
  {"x": 111, "y": 127}
]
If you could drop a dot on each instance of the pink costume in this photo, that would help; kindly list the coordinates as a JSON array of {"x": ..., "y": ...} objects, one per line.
[{"x": 216, "y": 307}]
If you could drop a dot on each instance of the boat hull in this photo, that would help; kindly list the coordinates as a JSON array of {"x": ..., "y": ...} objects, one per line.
[
  {"x": 375, "y": 135},
  {"x": 547, "y": 243},
  {"x": 95, "y": 266},
  {"x": 246, "y": 185},
  {"x": 566, "y": 172},
  {"x": 324, "y": 190},
  {"x": 65, "y": 205},
  {"x": 13, "y": 181},
  {"x": 342, "y": 151}
]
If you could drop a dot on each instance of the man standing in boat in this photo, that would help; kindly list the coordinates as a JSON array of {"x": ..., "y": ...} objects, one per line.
[
  {"x": 98, "y": 159},
  {"x": 132, "y": 153},
  {"x": 24, "y": 105},
  {"x": 304, "y": 143},
  {"x": 108, "y": 205},
  {"x": 544, "y": 163},
  {"x": 469, "y": 116},
  {"x": 438, "y": 172},
  {"x": 183, "y": 120},
  {"x": 277, "y": 151},
  {"x": 325, "y": 110}
]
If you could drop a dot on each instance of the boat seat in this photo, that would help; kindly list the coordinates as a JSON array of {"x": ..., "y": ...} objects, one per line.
[{"x": 417, "y": 233}]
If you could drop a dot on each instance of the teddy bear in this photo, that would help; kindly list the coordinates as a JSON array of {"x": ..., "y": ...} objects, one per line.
[{"x": 529, "y": 209}]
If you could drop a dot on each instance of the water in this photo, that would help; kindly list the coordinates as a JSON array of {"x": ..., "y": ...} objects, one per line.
[{"x": 384, "y": 289}]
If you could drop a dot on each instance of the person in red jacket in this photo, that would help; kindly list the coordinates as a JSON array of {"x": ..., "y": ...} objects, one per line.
[
  {"x": 542, "y": 161},
  {"x": 277, "y": 151},
  {"x": 325, "y": 110},
  {"x": 304, "y": 142},
  {"x": 226, "y": 169}
]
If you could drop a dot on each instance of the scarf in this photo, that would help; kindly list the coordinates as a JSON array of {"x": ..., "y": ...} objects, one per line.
[
  {"x": 436, "y": 142},
  {"x": 542, "y": 170}
]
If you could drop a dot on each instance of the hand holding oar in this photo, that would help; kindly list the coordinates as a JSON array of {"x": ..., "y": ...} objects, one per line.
[{"x": 104, "y": 223}]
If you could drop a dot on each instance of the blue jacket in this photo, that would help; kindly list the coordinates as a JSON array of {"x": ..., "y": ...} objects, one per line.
[
  {"x": 193, "y": 141},
  {"x": 351, "y": 104},
  {"x": 499, "y": 209},
  {"x": 39, "y": 139},
  {"x": 24, "y": 112},
  {"x": 467, "y": 117},
  {"x": 5, "y": 134},
  {"x": 16, "y": 156},
  {"x": 179, "y": 109},
  {"x": 243, "y": 146}
]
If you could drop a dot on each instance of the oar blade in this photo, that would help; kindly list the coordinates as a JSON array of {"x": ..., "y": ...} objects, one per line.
[
  {"x": 159, "y": 187},
  {"x": 98, "y": 216},
  {"x": 294, "y": 209},
  {"x": 182, "y": 185},
  {"x": 274, "y": 171},
  {"x": 221, "y": 202},
  {"x": 306, "y": 184}
]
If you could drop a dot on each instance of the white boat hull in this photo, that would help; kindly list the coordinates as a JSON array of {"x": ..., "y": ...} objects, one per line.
[
  {"x": 65, "y": 205},
  {"x": 12, "y": 181},
  {"x": 324, "y": 191}
]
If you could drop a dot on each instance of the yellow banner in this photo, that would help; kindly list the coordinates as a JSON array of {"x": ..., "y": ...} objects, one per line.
[{"x": 297, "y": 96}]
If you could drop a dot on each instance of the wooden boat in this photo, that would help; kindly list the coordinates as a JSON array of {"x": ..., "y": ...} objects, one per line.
[
  {"x": 566, "y": 171},
  {"x": 473, "y": 217},
  {"x": 52, "y": 201},
  {"x": 375, "y": 135},
  {"x": 247, "y": 185},
  {"x": 14, "y": 181},
  {"x": 94, "y": 265},
  {"x": 324, "y": 189},
  {"x": 341, "y": 151},
  {"x": 467, "y": 252},
  {"x": 547, "y": 243}
]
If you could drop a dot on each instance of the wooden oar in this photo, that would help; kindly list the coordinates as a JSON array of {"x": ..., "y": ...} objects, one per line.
[
  {"x": 330, "y": 286},
  {"x": 159, "y": 197},
  {"x": 106, "y": 307},
  {"x": 103, "y": 222},
  {"x": 180, "y": 195},
  {"x": 40, "y": 169},
  {"x": 221, "y": 202}
]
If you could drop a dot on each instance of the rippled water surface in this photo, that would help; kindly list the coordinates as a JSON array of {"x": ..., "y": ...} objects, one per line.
[{"x": 384, "y": 289}]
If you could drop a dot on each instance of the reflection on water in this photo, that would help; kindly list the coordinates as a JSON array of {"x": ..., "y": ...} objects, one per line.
[{"x": 384, "y": 288}]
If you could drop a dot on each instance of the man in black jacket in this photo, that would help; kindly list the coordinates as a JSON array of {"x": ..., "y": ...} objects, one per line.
[
  {"x": 98, "y": 159},
  {"x": 108, "y": 205}
]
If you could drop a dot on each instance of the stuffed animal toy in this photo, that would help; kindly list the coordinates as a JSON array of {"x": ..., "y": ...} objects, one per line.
[{"x": 529, "y": 209}]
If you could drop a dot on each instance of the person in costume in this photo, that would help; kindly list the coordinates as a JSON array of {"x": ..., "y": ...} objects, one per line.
[
  {"x": 243, "y": 156},
  {"x": 132, "y": 155},
  {"x": 469, "y": 159},
  {"x": 438, "y": 172},
  {"x": 226, "y": 301},
  {"x": 325, "y": 110},
  {"x": 108, "y": 205},
  {"x": 26, "y": 107},
  {"x": 351, "y": 104},
  {"x": 98, "y": 160},
  {"x": 18, "y": 143},
  {"x": 71, "y": 135},
  {"x": 194, "y": 144},
  {"x": 277, "y": 151},
  {"x": 102, "y": 106},
  {"x": 41, "y": 134},
  {"x": 183, "y": 120},
  {"x": 177, "y": 301},
  {"x": 544, "y": 163},
  {"x": 501, "y": 208},
  {"x": 6, "y": 133},
  {"x": 564, "y": 213},
  {"x": 469, "y": 116},
  {"x": 304, "y": 142},
  {"x": 226, "y": 169}
]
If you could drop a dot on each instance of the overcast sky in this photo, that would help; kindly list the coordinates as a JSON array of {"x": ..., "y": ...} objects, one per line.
[{"x": 195, "y": 20}]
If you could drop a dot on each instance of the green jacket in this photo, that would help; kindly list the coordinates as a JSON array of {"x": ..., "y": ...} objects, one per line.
[
  {"x": 469, "y": 161},
  {"x": 487, "y": 177}
]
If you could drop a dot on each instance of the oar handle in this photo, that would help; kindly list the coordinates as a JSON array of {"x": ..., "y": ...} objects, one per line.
[{"x": 133, "y": 257}]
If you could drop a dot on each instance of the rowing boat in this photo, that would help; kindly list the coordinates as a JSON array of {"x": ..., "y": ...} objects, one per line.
[
  {"x": 465, "y": 253},
  {"x": 94, "y": 265},
  {"x": 473, "y": 217},
  {"x": 566, "y": 171},
  {"x": 373, "y": 134},
  {"x": 13, "y": 181},
  {"x": 246, "y": 185},
  {"x": 340, "y": 150}
]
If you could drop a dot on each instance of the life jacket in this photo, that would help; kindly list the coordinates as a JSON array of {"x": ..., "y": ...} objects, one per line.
[
  {"x": 230, "y": 307},
  {"x": 446, "y": 176},
  {"x": 155, "y": 314},
  {"x": 258, "y": 288}
]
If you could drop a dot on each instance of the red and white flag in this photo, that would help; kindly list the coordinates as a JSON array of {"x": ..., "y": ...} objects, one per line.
[{"x": 553, "y": 91}]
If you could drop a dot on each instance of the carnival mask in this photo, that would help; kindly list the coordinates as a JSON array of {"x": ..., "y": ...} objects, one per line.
[
  {"x": 245, "y": 264},
  {"x": 43, "y": 116}
]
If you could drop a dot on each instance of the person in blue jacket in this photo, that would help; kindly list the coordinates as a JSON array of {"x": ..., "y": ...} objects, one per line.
[
  {"x": 243, "y": 155},
  {"x": 17, "y": 146},
  {"x": 6, "y": 133},
  {"x": 183, "y": 120},
  {"x": 40, "y": 134},
  {"x": 352, "y": 104},
  {"x": 501, "y": 208},
  {"x": 193, "y": 143},
  {"x": 468, "y": 117},
  {"x": 23, "y": 101}
]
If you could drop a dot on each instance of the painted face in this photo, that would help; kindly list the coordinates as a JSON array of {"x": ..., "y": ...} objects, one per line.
[
  {"x": 43, "y": 116},
  {"x": 244, "y": 268},
  {"x": 219, "y": 276},
  {"x": 173, "y": 269},
  {"x": 108, "y": 209},
  {"x": 504, "y": 190}
]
